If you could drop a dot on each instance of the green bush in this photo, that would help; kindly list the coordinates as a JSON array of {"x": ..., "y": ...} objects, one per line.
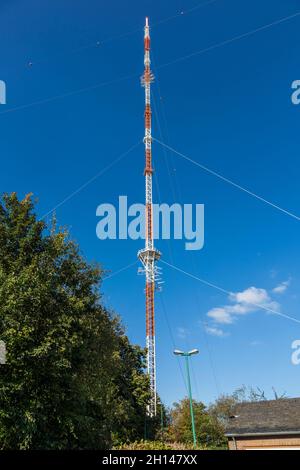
[{"x": 158, "y": 445}]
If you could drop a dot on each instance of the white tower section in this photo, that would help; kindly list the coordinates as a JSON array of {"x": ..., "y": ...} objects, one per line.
[{"x": 149, "y": 255}]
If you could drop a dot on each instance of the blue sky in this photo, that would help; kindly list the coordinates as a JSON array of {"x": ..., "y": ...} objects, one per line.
[{"x": 73, "y": 106}]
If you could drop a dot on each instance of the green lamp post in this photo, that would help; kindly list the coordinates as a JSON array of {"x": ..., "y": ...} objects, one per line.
[{"x": 186, "y": 355}]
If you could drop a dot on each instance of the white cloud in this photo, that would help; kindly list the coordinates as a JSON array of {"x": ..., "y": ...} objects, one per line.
[
  {"x": 281, "y": 288},
  {"x": 211, "y": 330},
  {"x": 246, "y": 301},
  {"x": 220, "y": 315},
  {"x": 275, "y": 306},
  {"x": 239, "y": 309},
  {"x": 252, "y": 295}
]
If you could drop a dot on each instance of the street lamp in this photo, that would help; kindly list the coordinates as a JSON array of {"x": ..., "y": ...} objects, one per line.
[{"x": 186, "y": 355}]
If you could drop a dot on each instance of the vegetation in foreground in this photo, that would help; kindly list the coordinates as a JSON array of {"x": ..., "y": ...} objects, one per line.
[
  {"x": 210, "y": 423},
  {"x": 73, "y": 380},
  {"x": 159, "y": 445}
]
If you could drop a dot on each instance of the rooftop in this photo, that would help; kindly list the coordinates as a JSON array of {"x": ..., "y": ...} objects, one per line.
[{"x": 265, "y": 417}]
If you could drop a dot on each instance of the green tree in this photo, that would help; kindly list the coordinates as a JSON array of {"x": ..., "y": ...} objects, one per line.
[
  {"x": 222, "y": 409},
  {"x": 128, "y": 409},
  {"x": 209, "y": 432},
  {"x": 72, "y": 379}
]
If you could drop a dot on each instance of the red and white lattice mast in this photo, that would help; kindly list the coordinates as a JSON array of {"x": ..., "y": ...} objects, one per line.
[{"x": 149, "y": 255}]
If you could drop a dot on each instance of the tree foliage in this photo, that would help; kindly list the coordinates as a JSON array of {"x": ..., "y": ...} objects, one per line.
[
  {"x": 72, "y": 378},
  {"x": 209, "y": 432}
]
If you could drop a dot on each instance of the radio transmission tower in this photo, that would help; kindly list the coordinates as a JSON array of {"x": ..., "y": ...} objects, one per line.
[{"x": 149, "y": 255}]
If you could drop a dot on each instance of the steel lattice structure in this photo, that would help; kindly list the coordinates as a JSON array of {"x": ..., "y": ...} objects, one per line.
[{"x": 149, "y": 255}]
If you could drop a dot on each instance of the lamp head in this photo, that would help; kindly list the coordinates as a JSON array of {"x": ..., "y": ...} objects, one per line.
[
  {"x": 177, "y": 352},
  {"x": 193, "y": 351}
]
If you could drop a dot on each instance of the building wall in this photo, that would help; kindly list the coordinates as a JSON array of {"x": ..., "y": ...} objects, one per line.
[{"x": 264, "y": 442}]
